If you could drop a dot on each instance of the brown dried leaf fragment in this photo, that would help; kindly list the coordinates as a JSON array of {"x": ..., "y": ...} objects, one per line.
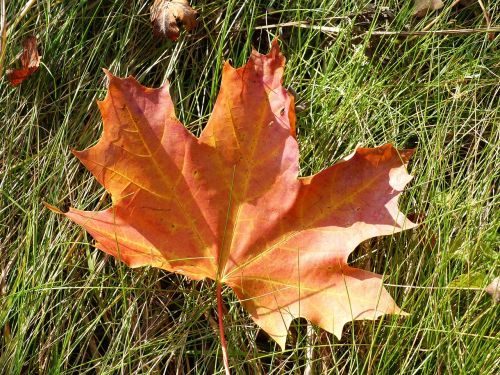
[
  {"x": 422, "y": 7},
  {"x": 168, "y": 15},
  {"x": 30, "y": 61}
]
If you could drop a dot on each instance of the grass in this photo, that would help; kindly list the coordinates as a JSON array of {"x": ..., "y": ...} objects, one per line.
[{"x": 66, "y": 308}]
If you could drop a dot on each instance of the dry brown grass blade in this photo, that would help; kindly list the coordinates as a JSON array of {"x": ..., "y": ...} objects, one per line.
[
  {"x": 336, "y": 30},
  {"x": 487, "y": 19},
  {"x": 439, "y": 32},
  {"x": 3, "y": 34}
]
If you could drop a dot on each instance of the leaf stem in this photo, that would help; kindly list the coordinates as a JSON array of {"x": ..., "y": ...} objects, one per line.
[{"x": 220, "y": 315}]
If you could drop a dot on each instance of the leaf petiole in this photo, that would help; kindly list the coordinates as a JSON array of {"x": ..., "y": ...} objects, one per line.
[{"x": 220, "y": 314}]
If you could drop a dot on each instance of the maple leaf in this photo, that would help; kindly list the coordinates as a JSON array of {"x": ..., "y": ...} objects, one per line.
[
  {"x": 30, "y": 61},
  {"x": 230, "y": 206},
  {"x": 167, "y": 15}
]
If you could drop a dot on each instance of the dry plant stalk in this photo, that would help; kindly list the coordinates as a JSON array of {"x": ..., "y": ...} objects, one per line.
[{"x": 3, "y": 34}]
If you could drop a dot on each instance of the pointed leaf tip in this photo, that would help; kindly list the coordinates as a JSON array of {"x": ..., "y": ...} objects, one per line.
[
  {"x": 108, "y": 74},
  {"x": 275, "y": 46}
]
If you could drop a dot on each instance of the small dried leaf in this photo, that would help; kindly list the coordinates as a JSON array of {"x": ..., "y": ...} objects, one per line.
[
  {"x": 494, "y": 289},
  {"x": 167, "y": 15},
  {"x": 30, "y": 61},
  {"x": 422, "y": 7}
]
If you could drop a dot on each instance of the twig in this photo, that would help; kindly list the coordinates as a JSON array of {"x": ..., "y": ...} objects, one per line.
[
  {"x": 336, "y": 30},
  {"x": 495, "y": 29},
  {"x": 303, "y": 24},
  {"x": 220, "y": 314},
  {"x": 425, "y": 31},
  {"x": 491, "y": 34}
]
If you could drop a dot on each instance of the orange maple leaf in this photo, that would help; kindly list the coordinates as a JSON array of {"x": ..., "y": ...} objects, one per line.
[{"x": 230, "y": 206}]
